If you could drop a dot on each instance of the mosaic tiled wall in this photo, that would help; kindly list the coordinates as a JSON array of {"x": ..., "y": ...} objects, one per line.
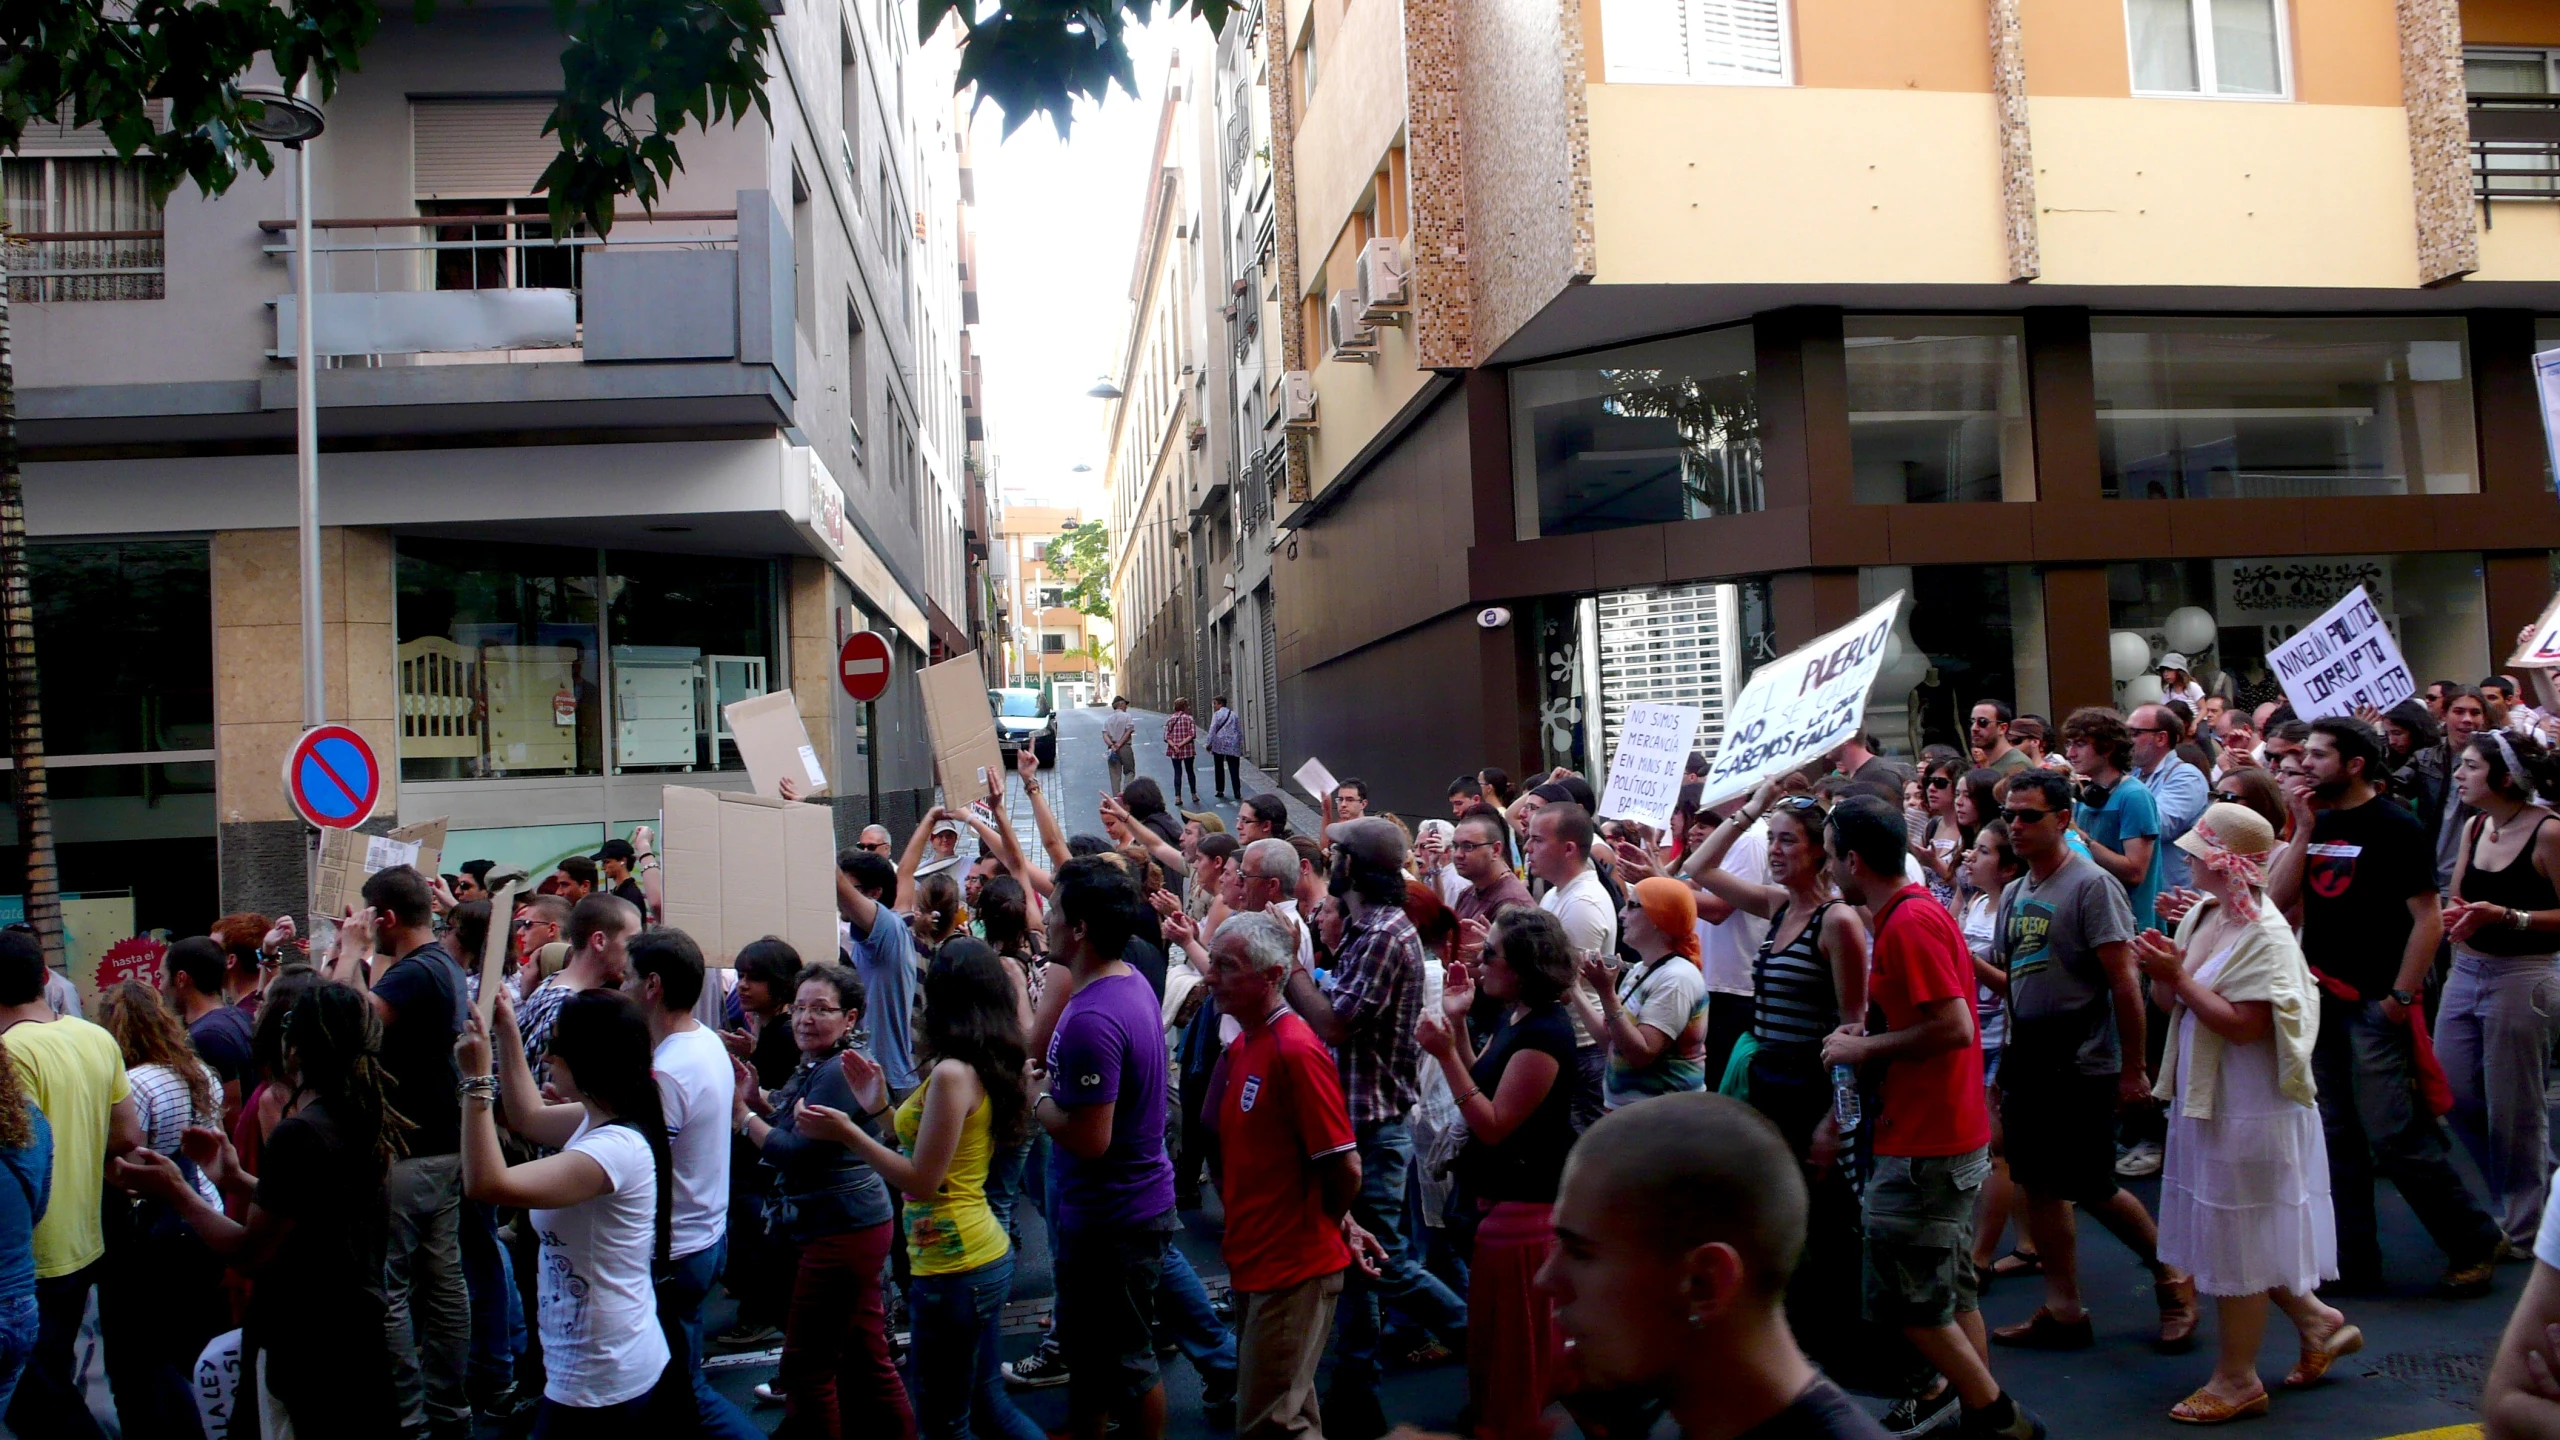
[
  {"x": 1443, "y": 308},
  {"x": 2017, "y": 145},
  {"x": 2439, "y": 138},
  {"x": 1527, "y": 160}
]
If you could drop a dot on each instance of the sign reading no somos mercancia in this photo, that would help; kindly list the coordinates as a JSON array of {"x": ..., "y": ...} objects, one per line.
[{"x": 1798, "y": 707}]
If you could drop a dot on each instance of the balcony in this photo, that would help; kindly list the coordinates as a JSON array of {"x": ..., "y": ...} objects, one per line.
[{"x": 2515, "y": 150}]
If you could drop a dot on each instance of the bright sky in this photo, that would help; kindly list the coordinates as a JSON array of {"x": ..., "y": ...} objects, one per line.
[{"x": 1056, "y": 226}]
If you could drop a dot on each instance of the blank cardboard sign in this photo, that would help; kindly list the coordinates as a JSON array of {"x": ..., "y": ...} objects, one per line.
[
  {"x": 962, "y": 726},
  {"x": 773, "y": 743},
  {"x": 741, "y": 867}
]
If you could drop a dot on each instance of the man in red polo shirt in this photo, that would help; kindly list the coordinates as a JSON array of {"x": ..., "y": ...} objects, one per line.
[
  {"x": 1931, "y": 1137},
  {"x": 1289, "y": 1167}
]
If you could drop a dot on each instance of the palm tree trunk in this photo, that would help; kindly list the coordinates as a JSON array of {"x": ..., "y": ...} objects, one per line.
[{"x": 18, "y": 622}]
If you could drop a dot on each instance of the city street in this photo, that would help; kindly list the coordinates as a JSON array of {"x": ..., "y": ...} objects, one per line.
[{"x": 2419, "y": 1374}]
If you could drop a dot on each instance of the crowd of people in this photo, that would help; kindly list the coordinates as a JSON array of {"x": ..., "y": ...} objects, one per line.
[{"x": 1700, "y": 1124}]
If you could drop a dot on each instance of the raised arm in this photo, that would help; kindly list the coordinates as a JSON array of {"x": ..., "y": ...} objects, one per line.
[
  {"x": 911, "y": 857},
  {"x": 1052, "y": 839}
]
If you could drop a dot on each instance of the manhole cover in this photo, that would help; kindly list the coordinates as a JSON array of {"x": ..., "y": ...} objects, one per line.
[{"x": 2453, "y": 1376}]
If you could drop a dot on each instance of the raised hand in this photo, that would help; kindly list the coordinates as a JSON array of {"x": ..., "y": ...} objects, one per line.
[
  {"x": 1435, "y": 1037},
  {"x": 739, "y": 1042},
  {"x": 2173, "y": 905},
  {"x": 278, "y": 935},
  {"x": 748, "y": 1095},
  {"x": 1178, "y": 929},
  {"x": 471, "y": 1047},
  {"x": 790, "y": 788},
  {"x": 1027, "y": 764},
  {"x": 863, "y": 1074},
  {"x": 1457, "y": 992}
]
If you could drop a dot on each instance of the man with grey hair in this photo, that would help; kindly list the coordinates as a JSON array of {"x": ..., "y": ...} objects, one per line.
[
  {"x": 1271, "y": 888},
  {"x": 1290, "y": 1168}
]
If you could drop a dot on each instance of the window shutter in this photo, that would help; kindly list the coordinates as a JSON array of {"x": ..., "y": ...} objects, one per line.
[
  {"x": 58, "y": 136},
  {"x": 1645, "y": 41},
  {"x": 482, "y": 149},
  {"x": 1739, "y": 41}
]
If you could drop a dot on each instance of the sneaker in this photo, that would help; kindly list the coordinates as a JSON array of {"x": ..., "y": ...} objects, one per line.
[
  {"x": 768, "y": 1393},
  {"x": 2002, "y": 1419},
  {"x": 1921, "y": 1414},
  {"x": 1039, "y": 1370},
  {"x": 747, "y": 1334},
  {"x": 2140, "y": 1159},
  {"x": 506, "y": 1405}
]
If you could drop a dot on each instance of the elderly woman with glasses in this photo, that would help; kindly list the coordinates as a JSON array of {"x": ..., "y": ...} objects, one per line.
[{"x": 837, "y": 1376}]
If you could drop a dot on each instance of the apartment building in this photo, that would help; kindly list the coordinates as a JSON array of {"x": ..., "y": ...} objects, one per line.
[
  {"x": 2096, "y": 329},
  {"x": 1052, "y": 644},
  {"x": 577, "y": 492}
]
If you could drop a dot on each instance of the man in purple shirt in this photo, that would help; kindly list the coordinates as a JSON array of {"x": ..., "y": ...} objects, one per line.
[{"x": 1104, "y": 1109}]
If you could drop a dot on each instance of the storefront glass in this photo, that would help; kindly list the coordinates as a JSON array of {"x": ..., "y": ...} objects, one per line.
[
  {"x": 1966, "y": 634},
  {"x": 1667, "y": 430},
  {"x": 1938, "y": 409},
  {"x": 2224, "y": 615},
  {"x": 2249, "y": 407}
]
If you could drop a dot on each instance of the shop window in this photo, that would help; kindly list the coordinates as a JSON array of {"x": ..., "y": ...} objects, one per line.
[
  {"x": 1691, "y": 645},
  {"x": 1668, "y": 430},
  {"x": 1965, "y": 634},
  {"x": 505, "y": 668},
  {"x": 2224, "y": 615},
  {"x": 2233, "y": 49},
  {"x": 1938, "y": 409},
  {"x": 2245, "y": 407}
]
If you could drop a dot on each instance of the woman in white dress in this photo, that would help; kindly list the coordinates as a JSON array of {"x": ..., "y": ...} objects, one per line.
[{"x": 2244, "y": 1192}]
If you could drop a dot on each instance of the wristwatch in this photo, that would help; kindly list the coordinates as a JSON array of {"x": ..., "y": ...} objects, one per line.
[{"x": 2405, "y": 998}]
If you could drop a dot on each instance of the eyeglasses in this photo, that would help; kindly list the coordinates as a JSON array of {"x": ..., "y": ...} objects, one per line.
[
  {"x": 819, "y": 1012},
  {"x": 1469, "y": 847},
  {"x": 1985, "y": 722},
  {"x": 2023, "y": 817},
  {"x": 2228, "y": 798},
  {"x": 876, "y": 847},
  {"x": 1942, "y": 782},
  {"x": 530, "y": 923},
  {"x": 1797, "y": 803}
]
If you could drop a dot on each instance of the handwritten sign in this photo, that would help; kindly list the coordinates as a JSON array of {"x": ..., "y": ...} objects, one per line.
[
  {"x": 1645, "y": 773},
  {"x": 1799, "y": 706},
  {"x": 2541, "y": 649},
  {"x": 2344, "y": 660},
  {"x": 1316, "y": 780}
]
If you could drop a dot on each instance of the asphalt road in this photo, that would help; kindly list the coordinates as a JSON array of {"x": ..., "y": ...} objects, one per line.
[{"x": 2420, "y": 1372}]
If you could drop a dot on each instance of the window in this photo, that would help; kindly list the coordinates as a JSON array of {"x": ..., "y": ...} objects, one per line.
[
  {"x": 495, "y": 261},
  {"x": 1052, "y": 597},
  {"x": 1967, "y": 633},
  {"x": 1696, "y": 42},
  {"x": 857, "y": 373},
  {"x": 2234, "y": 49},
  {"x": 2244, "y": 407},
  {"x": 2226, "y": 614},
  {"x": 2515, "y": 123},
  {"x": 849, "y": 103},
  {"x": 1306, "y": 64},
  {"x": 1668, "y": 430},
  {"x": 1052, "y": 643},
  {"x": 100, "y": 198},
  {"x": 804, "y": 254},
  {"x": 1938, "y": 410}
]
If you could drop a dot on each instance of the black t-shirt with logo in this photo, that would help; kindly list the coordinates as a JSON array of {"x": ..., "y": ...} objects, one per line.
[{"x": 2365, "y": 865}]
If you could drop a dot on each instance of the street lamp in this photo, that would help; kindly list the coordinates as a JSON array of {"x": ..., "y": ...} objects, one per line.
[
  {"x": 1103, "y": 389},
  {"x": 294, "y": 122}
]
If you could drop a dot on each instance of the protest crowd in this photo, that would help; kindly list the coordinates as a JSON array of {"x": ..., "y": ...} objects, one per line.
[{"x": 1692, "y": 1124}]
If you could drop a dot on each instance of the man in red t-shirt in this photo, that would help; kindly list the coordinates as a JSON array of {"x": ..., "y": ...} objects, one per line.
[
  {"x": 1931, "y": 1137},
  {"x": 1289, "y": 1168}
]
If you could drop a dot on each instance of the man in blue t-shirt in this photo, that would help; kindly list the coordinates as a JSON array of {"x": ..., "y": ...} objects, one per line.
[
  {"x": 881, "y": 950},
  {"x": 2115, "y": 815}
]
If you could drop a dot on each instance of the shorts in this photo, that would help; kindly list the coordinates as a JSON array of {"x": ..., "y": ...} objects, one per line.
[
  {"x": 1991, "y": 1063},
  {"x": 1106, "y": 1311},
  {"x": 1919, "y": 1230},
  {"x": 2059, "y": 1134}
]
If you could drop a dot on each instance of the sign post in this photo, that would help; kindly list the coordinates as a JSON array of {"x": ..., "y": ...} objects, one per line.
[
  {"x": 863, "y": 667},
  {"x": 331, "y": 777}
]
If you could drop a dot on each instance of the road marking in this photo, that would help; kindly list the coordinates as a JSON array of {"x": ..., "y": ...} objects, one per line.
[{"x": 2444, "y": 1432}]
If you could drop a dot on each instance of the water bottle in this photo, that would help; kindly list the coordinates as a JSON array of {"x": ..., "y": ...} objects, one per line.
[{"x": 1845, "y": 1109}]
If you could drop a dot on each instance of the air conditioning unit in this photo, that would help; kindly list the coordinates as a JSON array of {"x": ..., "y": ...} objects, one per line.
[
  {"x": 1298, "y": 400},
  {"x": 1346, "y": 334},
  {"x": 1385, "y": 282}
]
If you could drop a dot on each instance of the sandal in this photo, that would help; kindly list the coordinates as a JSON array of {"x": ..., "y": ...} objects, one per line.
[
  {"x": 2206, "y": 1408},
  {"x": 2016, "y": 1263},
  {"x": 2339, "y": 1343}
]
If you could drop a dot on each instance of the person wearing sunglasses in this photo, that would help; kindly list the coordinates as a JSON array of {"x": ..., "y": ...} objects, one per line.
[
  {"x": 1988, "y": 733},
  {"x": 2074, "y": 1057}
]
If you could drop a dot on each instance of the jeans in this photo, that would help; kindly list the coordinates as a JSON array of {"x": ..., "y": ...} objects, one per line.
[
  {"x": 1186, "y": 768},
  {"x": 497, "y": 1313},
  {"x": 18, "y": 1329},
  {"x": 1386, "y": 1154},
  {"x": 1183, "y": 1304},
  {"x": 835, "y": 1351},
  {"x": 50, "y": 1402},
  {"x": 953, "y": 1364},
  {"x": 428, "y": 1316},
  {"x": 1228, "y": 774},
  {"x": 1005, "y": 1174},
  {"x": 2369, "y": 1110},
  {"x": 682, "y": 1283},
  {"x": 2493, "y": 1032}
]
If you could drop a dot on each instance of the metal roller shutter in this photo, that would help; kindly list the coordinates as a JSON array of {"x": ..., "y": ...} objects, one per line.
[{"x": 478, "y": 149}]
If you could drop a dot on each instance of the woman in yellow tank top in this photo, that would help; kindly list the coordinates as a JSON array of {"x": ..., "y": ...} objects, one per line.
[{"x": 969, "y": 1108}]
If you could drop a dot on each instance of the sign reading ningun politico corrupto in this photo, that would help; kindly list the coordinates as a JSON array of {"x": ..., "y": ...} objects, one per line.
[
  {"x": 1798, "y": 707},
  {"x": 2343, "y": 661}
]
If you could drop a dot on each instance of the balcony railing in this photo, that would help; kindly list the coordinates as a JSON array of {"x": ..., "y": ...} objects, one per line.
[{"x": 2515, "y": 149}]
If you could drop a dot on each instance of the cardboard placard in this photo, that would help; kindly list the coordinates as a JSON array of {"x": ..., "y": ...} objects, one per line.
[
  {"x": 741, "y": 867},
  {"x": 962, "y": 727},
  {"x": 773, "y": 743},
  {"x": 1798, "y": 707},
  {"x": 2341, "y": 661},
  {"x": 2541, "y": 649},
  {"x": 1317, "y": 781},
  {"x": 349, "y": 857},
  {"x": 1645, "y": 773},
  {"x": 493, "y": 951}
]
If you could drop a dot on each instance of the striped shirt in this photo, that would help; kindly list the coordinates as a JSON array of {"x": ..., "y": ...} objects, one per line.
[
  {"x": 162, "y": 1104},
  {"x": 1798, "y": 1003}
]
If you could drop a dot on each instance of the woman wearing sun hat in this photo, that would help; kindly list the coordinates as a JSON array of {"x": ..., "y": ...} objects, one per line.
[{"x": 2244, "y": 1193}]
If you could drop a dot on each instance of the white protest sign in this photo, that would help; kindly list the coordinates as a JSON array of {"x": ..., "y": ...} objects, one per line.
[
  {"x": 2341, "y": 661},
  {"x": 1644, "y": 775},
  {"x": 1316, "y": 780},
  {"x": 2546, "y": 380},
  {"x": 2541, "y": 649},
  {"x": 1801, "y": 705},
  {"x": 381, "y": 852}
]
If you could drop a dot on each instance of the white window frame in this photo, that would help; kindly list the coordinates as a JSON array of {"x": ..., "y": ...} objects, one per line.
[
  {"x": 1621, "y": 73},
  {"x": 2548, "y": 55},
  {"x": 2200, "y": 21}
]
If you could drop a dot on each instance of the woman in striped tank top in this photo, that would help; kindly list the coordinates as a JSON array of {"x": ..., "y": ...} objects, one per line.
[{"x": 1810, "y": 979}]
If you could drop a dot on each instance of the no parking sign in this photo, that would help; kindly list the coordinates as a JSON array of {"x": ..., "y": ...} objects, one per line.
[{"x": 331, "y": 777}]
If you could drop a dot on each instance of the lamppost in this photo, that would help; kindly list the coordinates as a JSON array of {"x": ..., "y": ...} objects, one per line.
[{"x": 294, "y": 122}]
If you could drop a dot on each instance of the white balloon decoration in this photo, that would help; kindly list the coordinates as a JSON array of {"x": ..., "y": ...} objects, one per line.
[
  {"x": 2128, "y": 654},
  {"x": 2142, "y": 690},
  {"x": 2190, "y": 628}
]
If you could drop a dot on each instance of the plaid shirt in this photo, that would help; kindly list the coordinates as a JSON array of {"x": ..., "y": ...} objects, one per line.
[
  {"x": 1179, "y": 731},
  {"x": 1377, "y": 995}
]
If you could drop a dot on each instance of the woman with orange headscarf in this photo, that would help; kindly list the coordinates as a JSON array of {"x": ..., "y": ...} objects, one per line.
[{"x": 1653, "y": 1014}]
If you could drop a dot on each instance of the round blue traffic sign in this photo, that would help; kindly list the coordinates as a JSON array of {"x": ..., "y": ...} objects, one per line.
[{"x": 331, "y": 777}]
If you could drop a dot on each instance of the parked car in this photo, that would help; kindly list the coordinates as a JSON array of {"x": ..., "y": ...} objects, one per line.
[{"x": 1024, "y": 716}]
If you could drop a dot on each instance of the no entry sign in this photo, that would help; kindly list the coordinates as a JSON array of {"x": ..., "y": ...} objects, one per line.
[
  {"x": 331, "y": 777},
  {"x": 863, "y": 665}
]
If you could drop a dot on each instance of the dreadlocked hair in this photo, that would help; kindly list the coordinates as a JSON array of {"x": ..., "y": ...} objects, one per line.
[
  {"x": 333, "y": 1048},
  {"x": 969, "y": 1016},
  {"x": 149, "y": 1035},
  {"x": 601, "y": 1037},
  {"x": 17, "y": 1129},
  {"x": 266, "y": 1042}
]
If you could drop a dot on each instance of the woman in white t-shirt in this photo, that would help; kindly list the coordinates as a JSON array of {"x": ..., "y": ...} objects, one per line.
[{"x": 602, "y": 1207}]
